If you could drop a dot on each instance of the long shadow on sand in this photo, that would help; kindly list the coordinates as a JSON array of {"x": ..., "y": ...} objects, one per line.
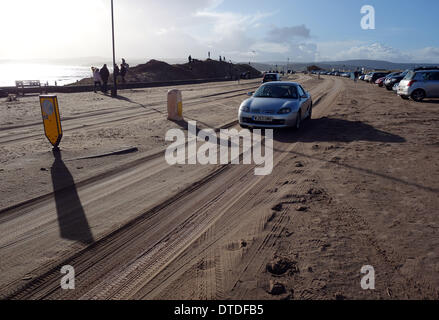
[
  {"x": 119, "y": 97},
  {"x": 336, "y": 130},
  {"x": 184, "y": 125},
  {"x": 72, "y": 220}
]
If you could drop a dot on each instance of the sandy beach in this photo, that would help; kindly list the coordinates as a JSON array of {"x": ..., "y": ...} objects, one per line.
[{"x": 357, "y": 186}]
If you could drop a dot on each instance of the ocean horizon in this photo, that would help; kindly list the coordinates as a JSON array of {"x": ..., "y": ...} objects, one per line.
[
  {"x": 61, "y": 73},
  {"x": 44, "y": 72}
]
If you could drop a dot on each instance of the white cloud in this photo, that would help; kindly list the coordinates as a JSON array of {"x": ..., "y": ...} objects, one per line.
[
  {"x": 192, "y": 27},
  {"x": 428, "y": 54},
  {"x": 286, "y": 34},
  {"x": 172, "y": 29},
  {"x": 351, "y": 50},
  {"x": 374, "y": 51}
]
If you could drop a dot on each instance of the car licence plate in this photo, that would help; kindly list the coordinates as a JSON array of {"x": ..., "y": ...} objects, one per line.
[{"x": 262, "y": 118}]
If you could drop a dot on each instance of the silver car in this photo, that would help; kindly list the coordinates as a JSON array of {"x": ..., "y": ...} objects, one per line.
[
  {"x": 276, "y": 105},
  {"x": 419, "y": 85},
  {"x": 368, "y": 76}
]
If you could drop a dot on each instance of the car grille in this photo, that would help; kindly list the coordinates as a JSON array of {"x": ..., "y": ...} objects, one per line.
[
  {"x": 274, "y": 122},
  {"x": 263, "y": 112}
]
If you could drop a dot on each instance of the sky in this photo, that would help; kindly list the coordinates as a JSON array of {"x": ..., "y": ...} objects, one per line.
[{"x": 240, "y": 30}]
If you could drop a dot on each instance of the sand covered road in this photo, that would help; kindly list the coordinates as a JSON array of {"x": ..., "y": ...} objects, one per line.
[
  {"x": 34, "y": 234},
  {"x": 358, "y": 188},
  {"x": 331, "y": 206},
  {"x": 97, "y": 124}
]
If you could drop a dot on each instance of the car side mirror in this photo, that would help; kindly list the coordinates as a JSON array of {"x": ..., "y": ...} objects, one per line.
[
  {"x": 304, "y": 96},
  {"x": 250, "y": 94}
]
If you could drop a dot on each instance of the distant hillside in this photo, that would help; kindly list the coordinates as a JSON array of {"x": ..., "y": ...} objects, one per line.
[
  {"x": 374, "y": 64},
  {"x": 154, "y": 71},
  {"x": 348, "y": 64}
]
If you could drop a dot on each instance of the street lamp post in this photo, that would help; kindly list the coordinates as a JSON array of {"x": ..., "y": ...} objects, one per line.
[{"x": 114, "y": 89}]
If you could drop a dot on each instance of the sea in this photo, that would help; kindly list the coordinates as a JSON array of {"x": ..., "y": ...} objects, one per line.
[{"x": 50, "y": 74}]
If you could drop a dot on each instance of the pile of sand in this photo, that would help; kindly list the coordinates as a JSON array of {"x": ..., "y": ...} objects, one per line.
[{"x": 154, "y": 70}]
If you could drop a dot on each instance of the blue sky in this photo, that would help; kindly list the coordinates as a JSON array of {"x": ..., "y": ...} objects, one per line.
[
  {"x": 335, "y": 20},
  {"x": 304, "y": 31},
  {"x": 404, "y": 26}
]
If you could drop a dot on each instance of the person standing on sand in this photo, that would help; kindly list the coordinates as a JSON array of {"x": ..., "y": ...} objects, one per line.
[
  {"x": 105, "y": 75},
  {"x": 116, "y": 71},
  {"x": 96, "y": 78},
  {"x": 125, "y": 64},
  {"x": 123, "y": 70}
]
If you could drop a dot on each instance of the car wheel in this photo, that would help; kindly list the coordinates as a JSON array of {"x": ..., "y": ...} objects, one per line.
[
  {"x": 418, "y": 95},
  {"x": 298, "y": 121},
  {"x": 389, "y": 88},
  {"x": 405, "y": 97}
]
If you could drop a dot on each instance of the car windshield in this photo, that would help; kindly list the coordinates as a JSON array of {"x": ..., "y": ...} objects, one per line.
[{"x": 277, "y": 91}]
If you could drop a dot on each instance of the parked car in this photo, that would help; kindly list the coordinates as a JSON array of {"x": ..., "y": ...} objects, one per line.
[
  {"x": 367, "y": 77},
  {"x": 392, "y": 80},
  {"x": 424, "y": 69},
  {"x": 376, "y": 75},
  {"x": 276, "y": 105},
  {"x": 362, "y": 77},
  {"x": 380, "y": 81},
  {"x": 395, "y": 87},
  {"x": 268, "y": 77},
  {"x": 419, "y": 85},
  {"x": 391, "y": 75}
]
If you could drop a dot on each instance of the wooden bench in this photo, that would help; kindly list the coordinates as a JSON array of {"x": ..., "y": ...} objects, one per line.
[{"x": 24, "y": 84}]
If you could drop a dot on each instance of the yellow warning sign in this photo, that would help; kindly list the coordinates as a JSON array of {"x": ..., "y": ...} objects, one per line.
[{"x": 51, "y": 119}]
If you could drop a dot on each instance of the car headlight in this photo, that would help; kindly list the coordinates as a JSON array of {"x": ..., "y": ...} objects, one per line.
[
  {"x": 245, "y": 109},
  {"x": 284, "y": 111}
]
